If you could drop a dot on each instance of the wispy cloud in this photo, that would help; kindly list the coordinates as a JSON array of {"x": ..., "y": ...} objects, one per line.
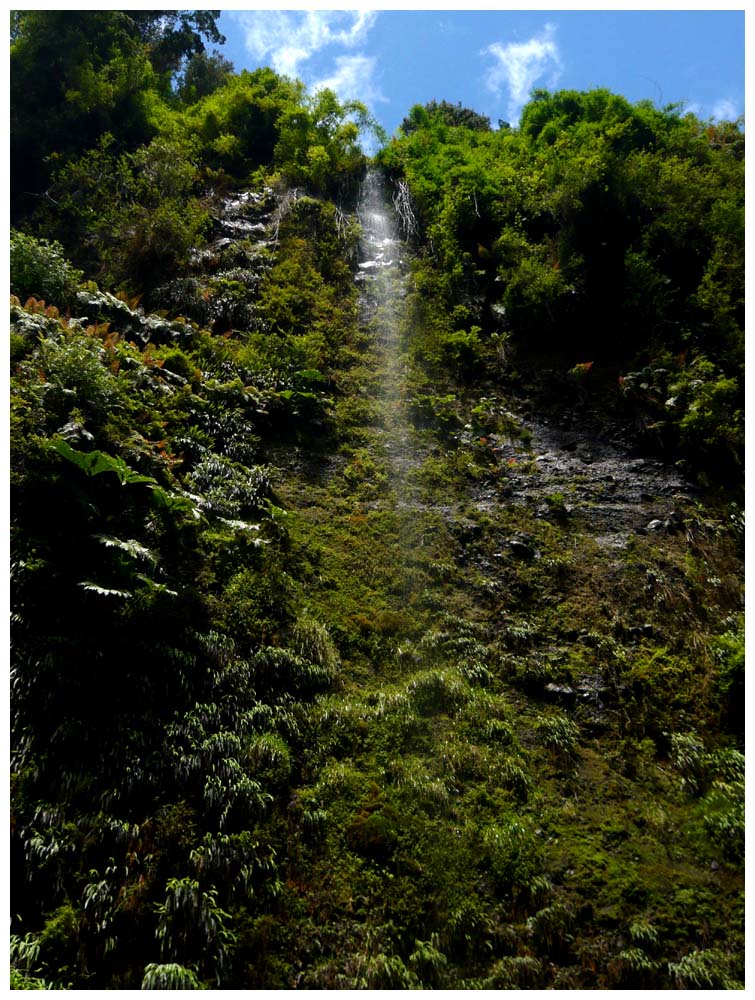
[
  {"x": 288, "y": 38},
  {"x": 724, "y": 110},
  {"x": 353, "y": 79},
  {"x": 519, "y": 65}
]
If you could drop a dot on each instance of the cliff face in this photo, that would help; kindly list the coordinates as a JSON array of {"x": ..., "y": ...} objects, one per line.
[
  {"x": 345, "y": 659},
  {"x": 377, "y": 545}
]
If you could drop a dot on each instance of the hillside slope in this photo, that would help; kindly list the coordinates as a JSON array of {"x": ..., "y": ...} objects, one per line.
[
  {"x": 377, "y": 534},
  {"x": 440, "y": 712}
]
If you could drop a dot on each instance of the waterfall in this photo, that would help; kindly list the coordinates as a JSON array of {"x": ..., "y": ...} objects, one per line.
[
  {"x": 382, "y": 276},
  {"x": 381, "y": 267},
  {"x": 379, "y": 243}
]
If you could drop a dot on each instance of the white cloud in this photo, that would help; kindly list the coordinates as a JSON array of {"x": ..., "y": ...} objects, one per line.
[
  {"x": 724, "y": 110},
  {"x": 352, "y": 79},
  {"x": 288, "y": 38},
  {"x": 519, "y": 65}
]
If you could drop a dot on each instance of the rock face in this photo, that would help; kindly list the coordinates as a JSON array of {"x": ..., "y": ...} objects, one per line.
[
  {"x": 581, "y": 472},
  {"x": 219, "y": 289}
]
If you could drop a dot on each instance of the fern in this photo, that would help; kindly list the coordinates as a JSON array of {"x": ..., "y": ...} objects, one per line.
[
  {"x": 132, "y": 548},
  {"x": 170, "y": 976},
  {"x": 96, "y": 588},
  {"x": 703, "y": 970}
]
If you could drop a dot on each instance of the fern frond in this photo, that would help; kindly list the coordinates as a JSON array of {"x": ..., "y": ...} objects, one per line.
[
  {"x": 95, "y": 588},
  {"x": 130, "y": 546}
]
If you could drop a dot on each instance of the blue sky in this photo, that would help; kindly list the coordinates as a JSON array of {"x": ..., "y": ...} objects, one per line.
[{"x": 490, "y": 60}]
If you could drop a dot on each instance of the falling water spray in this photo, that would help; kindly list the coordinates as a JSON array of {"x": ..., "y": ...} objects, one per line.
[{"x": 383, "y": 279}]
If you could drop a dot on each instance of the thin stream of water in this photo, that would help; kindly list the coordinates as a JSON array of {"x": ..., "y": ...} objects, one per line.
[{"x": 382, "y": 275}]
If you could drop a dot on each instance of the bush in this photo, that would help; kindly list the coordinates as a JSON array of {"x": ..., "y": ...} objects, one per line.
[
  {"x": 701, "y": 970},
  {"x": 76, "y": 377},
  {"x": 38, "y": 269}
]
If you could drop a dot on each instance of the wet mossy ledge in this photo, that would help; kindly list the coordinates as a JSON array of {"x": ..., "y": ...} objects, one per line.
[{"x": 377, "y": 539}]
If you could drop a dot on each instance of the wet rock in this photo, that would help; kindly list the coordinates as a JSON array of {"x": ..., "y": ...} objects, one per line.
[
  {"x": 499, "y": 314},
  {"x": 673, "y": 522},
  {"x": 466, "y": 530},
  {"x": 521, "y": 547},
  {"x": 638, "y": 632},
  {"x": 561, "y": 693}
]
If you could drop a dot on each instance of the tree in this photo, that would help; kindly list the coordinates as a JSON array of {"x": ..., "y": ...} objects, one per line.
[
  {"x": 450, "y": 114},
  {"x": 319, "y": 139},
  {"x": 171, "y": 36},
  {"x": 77, "y": 74},
  {"x": 203, "y": 75}
]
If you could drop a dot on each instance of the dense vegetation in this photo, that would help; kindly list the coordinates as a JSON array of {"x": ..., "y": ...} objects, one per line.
[
  {"x": 605, "y": 233},
  {"x": 313, "y": 686}
]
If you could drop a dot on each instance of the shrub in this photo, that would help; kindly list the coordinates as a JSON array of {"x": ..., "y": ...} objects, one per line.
[
  {"x": 436, "y": 691},
  {"x": 77, "y": 378},
  {"x": 270, "y": 759},
  {"x": 513, "y": 854},
  {"x": 312, "y": 641},
  {"x": 560, "y": 734},
  {"x": 229, "y": 488},
  {"x": 514, "y": 972},
  {"x": 39, "y": 269}
]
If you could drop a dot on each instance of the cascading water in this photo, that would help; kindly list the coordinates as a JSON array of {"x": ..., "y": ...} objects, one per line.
[
  {"x": 379, "y": 244},
  {"x": 383, "y": 256}
]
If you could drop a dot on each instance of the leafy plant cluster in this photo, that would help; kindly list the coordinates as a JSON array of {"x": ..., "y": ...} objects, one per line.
[
  {"x": 597, "y": 231},
  {"x": 162, "y": 660},
  {"x": 119, "y": 144}
]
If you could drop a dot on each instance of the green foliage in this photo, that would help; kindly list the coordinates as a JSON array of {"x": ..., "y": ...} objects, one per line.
[
  {"x": 278, "y": 677},
  {"x": 76, "y": 378},
  {"x": 169, "y": 976},
  {"x": 20, "y": 981},
  {"x": 171, "y": 36},
  {"x": 238, "y": 123},
  {"x": 46, "y": 960},
  {"x": 318, "y": 141},
  {"x": 96, "y": 73},
  {"x": 203, "y": 75},
  {"x": 449, "y": 114},
  {"x": 717, "y": 778},
  {"x": 189, "y": 920},
  {"x": 136, "y": 212},
  {"x": 703, "y": 970},
  {"x": 560, "y": 734},
  {"x": 594, "y": 214},
  {"x": 695, "y": 408},
  {"x": 38, "y": 269}
]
